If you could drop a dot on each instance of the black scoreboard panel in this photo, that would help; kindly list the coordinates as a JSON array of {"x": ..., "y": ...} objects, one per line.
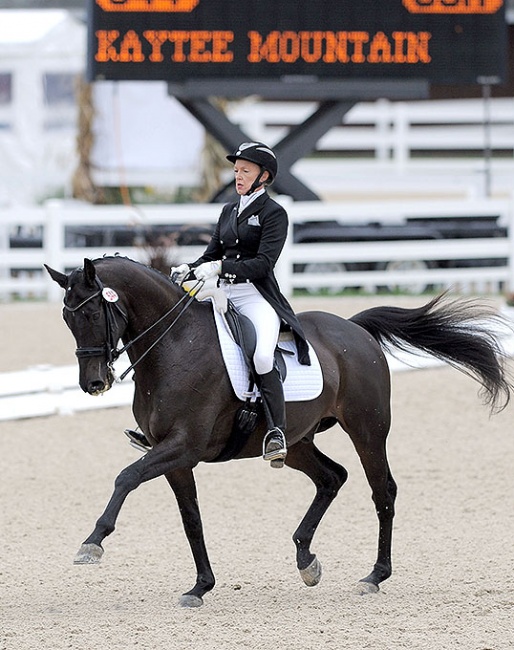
[{"x": 444, "y": 41}]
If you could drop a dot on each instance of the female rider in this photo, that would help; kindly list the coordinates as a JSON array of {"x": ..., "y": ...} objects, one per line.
[{"x": 243, "y": 251}]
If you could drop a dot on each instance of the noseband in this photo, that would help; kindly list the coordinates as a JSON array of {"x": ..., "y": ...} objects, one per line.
[{"x": 108, "y": 349}]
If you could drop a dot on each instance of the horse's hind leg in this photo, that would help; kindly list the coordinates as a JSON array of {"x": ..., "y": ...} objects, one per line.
[{"x": 328, "y": 477}]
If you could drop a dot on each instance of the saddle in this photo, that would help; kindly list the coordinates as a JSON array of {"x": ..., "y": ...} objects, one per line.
[
  {"x": 243, "y": 331},
  {"x": 239, "y": 325},
  {"x": 247, "y": 415},
  {"x": 239, "y": 332}
]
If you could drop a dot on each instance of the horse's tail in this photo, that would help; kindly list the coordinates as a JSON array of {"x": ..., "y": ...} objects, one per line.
[{"x": 459, "y": 332}]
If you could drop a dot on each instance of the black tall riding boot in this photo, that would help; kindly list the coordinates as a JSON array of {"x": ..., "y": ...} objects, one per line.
[{"x": 274, "y": 446}]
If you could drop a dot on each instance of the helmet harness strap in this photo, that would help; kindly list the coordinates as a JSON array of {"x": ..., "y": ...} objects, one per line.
[{"x": 257, "y": 182}]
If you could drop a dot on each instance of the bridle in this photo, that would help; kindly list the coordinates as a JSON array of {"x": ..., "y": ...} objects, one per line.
[{"x": 108, "y": 349}]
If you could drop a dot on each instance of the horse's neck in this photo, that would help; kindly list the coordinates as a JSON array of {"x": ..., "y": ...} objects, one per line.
[
  {"x": 180, "y": 315},
  {"x": 150, "y": 305}
]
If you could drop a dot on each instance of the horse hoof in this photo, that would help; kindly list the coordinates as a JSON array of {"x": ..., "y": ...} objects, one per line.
[
  {"x": 312, "y": 574},
  {"x": 188, "y": 600},
  {"x": 364, "y": 588},
  {"x": 89, "y": 554}
]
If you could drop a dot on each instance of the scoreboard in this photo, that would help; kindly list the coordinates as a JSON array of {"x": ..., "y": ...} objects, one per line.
[{"x": 442, "y": 41}]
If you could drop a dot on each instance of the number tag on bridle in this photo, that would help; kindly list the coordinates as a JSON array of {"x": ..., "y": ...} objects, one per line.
[{"x": 110, "y": 295}]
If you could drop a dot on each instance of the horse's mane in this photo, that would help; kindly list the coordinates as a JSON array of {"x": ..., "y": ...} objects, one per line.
[
  {"x": 116, "y": 259},
  {"x": 127, "y": 267}
]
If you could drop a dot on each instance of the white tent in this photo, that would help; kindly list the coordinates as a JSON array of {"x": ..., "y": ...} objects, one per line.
[
  {"x": 37, "y": 115},
  {"x": 142, "y": 136}
]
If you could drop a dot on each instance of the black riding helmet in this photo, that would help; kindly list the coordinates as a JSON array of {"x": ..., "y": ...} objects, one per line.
[{"x": 260, "y": 154}]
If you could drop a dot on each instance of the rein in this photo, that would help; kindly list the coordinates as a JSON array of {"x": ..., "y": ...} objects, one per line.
[
  {"x": 109, "y": 347},
  {"x": 148, "y": 329}
]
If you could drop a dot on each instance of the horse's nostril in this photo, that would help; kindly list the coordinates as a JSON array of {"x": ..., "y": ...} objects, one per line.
[{"x": 95, "y": 387}]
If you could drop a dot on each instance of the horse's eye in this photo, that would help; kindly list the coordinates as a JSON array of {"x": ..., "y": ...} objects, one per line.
[{"x": 96, "y": 315}]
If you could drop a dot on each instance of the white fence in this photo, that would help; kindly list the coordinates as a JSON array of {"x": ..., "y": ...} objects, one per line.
[
  {"x": 382, "y": 148},
  {"x": 396, "y": 130},
  {"x": 410, "y": 264},
  {"x": 437, "y": 147}
]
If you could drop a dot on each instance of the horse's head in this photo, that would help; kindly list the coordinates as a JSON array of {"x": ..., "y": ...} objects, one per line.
[{"x": 96, "y": 320}]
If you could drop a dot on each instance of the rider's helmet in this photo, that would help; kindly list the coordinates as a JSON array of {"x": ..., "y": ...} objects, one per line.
[{"x": 260, "y": 154}]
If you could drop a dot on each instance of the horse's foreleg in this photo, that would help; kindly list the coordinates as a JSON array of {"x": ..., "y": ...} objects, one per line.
[
  {"x": 182, "y": 483},
  {"x": 155, "y": 463},
  {"x": 129, "y": 479},
  {"x": 328, "y": 477}
]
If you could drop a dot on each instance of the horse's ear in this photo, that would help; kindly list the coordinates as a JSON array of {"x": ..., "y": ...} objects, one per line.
[
  {"x": 89, "y": 272},
  {"x": 57, "y": 276}
]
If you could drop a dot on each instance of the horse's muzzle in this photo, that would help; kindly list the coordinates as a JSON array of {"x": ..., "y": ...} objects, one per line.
[
  {"x": 97, "y": 387},
  {"x": 95, "y": 378}
]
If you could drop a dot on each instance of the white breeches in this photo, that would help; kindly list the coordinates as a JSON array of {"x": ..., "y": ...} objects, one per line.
[{"x": 247, "y": 300}]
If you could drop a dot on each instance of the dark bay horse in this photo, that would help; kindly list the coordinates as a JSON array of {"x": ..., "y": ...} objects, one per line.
[{"x": 185, "y": 405}]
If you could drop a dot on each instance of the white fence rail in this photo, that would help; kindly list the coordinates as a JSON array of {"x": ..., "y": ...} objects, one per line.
[
  {"x": 424, "y": 148},
  {"x": 395, "y": 130},
  {"x": 319, "y": 265},
  {"x": 382, "y": 148}
]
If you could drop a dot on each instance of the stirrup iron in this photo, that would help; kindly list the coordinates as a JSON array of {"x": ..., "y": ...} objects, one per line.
[
  {"x": 138, "y": 440},
  {"x": 274, "y": 447}
]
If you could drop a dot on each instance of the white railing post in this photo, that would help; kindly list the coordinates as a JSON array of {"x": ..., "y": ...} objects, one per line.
[
  {"x": 401, "y": 136},
  {"x": 383, "y": 128},
  {"x": 284, "y": 267},
  {"x": 4, "y": 246},
  {"x": 510, "y": 283},
  {"x": 53, "y": 245}
]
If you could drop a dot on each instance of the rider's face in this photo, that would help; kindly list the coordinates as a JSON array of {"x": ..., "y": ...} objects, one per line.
[{"x": 245, "y": 172}]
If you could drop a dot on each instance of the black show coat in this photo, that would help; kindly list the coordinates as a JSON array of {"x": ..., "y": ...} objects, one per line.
[{"x": 249, "y": 247}]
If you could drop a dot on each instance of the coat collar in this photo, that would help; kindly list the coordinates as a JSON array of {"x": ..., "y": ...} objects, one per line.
[{"x": 253, "y": 207}]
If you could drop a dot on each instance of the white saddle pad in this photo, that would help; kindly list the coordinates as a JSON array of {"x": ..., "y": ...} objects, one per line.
[{"x": 302, "y": 383}]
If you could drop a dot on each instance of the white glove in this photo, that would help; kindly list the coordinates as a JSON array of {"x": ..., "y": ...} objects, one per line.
[
  {"x": 178, "y": 273},
  {"x": 208, "y": 270},
  {"x": 208, "y": 289}
]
